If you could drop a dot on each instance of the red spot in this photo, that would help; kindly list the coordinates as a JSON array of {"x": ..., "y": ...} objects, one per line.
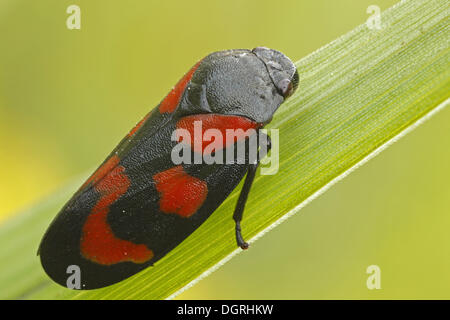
[
  {"x": 170, "y": 102},
  {"x": 98, "y": 242},
  {"x": 136, "y": 128},
  {"x": 106, "y": 167},
  {"x": 180, "y": 193},
  {"x": 215, "y": 121}
]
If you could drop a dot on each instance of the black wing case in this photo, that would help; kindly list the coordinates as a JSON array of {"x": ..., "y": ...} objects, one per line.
[
  {"x": 139, "y": 211},
  {"x": 63, "y": 241},
  {"x": 139, "y": 205}
]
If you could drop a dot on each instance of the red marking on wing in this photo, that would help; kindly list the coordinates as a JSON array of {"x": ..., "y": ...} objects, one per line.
[
  {"x": 98, "y": 242},
  {"x": 106, "y": 167},
  {"x": 180, "y": 193},
  {"x": 170, "y": 102},
  {"x": 136, "y": 128},
  {"x": 215, "y": 121}
]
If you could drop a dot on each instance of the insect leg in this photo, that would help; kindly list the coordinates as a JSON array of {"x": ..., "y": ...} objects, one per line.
[{"x": 239, "y": 210}]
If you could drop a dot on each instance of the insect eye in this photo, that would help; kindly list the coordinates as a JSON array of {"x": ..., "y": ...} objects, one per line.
[{"x": 286, "y": 88}]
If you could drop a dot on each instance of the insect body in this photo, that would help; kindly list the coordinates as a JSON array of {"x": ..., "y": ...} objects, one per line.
[{"x": 139, "y": 204}]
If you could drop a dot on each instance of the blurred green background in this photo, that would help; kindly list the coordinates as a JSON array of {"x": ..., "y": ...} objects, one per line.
[{"x": 68, "y": 96}]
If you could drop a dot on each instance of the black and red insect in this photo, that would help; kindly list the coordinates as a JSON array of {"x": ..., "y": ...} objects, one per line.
[{"x": 139, "y": 205}]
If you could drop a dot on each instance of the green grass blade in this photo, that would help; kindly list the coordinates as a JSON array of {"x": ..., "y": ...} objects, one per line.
[{"x": 356, "y": 96}]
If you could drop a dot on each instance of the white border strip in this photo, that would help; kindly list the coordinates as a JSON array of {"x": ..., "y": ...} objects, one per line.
[{"x": 319, "y": 192}]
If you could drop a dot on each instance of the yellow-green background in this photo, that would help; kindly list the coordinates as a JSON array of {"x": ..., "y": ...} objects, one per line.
[{"x": 68, "y": 96}]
